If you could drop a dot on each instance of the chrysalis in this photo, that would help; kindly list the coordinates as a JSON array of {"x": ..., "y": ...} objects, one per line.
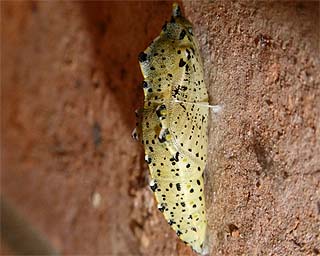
[{"x": 173, "y": 127}]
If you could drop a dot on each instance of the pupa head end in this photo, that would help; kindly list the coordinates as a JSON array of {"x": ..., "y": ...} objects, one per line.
[{"x": 176, "y": 10}]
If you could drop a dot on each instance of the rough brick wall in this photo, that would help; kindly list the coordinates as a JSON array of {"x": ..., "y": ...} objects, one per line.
[
  {"x": 263, "y": 178},
  {"x": 70, "y": 85}
]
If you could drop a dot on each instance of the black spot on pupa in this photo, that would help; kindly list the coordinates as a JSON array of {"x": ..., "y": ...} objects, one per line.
[
  {"x": 179, "y": 233},
  {"x": 144, "y": 84},
  {"x": 142, "y": 57},
  {"x": 176, "y": 157},
  {"x": 181, "y": 63},
  {"x": 171, "y": 222},
  {"x": 178, "y": 186},
  {"x": 161, "y": 207},
  {"x": 188, "y": 54},
  {"x": 183, "y": 106},
  {"x": 182, "y": 34},
  {"x": 162, "y": 139},
  {"x": 134, "y": 134},
  {"x": 154, "y": 187},
  {"x": 152, "y": 68},
  {"x": 148, "y": 160},
  {"x": 159, "y": 109},
  {"x": 162, "y": 136}
]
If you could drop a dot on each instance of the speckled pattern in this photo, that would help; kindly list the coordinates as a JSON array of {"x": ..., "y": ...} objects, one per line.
[
  {"x": 70, "y": 85},
  {"x": 174, "y": 127}
]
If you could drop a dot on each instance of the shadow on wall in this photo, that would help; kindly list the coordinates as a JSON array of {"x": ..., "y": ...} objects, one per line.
[
  {"x": 120, "y": 31},
  {"x": 19, "y": 235}
]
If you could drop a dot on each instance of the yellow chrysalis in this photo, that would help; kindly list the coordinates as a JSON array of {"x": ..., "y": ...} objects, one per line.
[{"x": 174, "y": 127}]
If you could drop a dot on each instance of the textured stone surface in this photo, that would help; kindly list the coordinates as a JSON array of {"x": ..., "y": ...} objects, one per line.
[
  {"x": 263, "y": 177},
  {"x": 70, "y": 85}
]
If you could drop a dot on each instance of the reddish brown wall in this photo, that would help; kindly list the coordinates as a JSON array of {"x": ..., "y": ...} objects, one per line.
[
  {"x": 69, "y": 88},
  {"x": 70, "y": 85},
  {"x": 263, "y": 179}
]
